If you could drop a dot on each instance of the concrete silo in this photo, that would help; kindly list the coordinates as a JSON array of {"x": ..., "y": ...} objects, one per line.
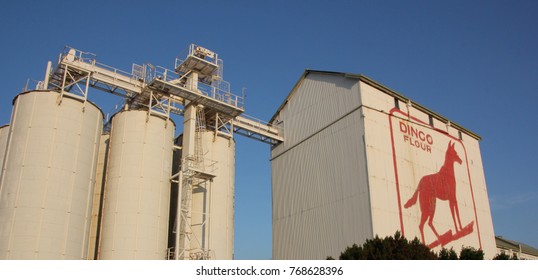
[
  {"x": 213, "y": 201},
  {"x": 47, "y": 183},
  {"x": 137, "y": 187}
]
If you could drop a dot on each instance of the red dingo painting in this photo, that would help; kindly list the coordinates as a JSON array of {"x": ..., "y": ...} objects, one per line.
[{"x": 428, "y": 194}]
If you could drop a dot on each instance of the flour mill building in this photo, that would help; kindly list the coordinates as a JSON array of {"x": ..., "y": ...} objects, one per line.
[{"x": 361, "y": 160}]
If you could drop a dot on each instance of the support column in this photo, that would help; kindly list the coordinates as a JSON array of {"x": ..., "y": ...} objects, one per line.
[
  {"x": 189, "y": 123},
  {"x": 188, "y": 150}
]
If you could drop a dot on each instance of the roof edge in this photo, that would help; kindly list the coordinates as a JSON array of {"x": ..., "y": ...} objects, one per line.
[
  {"x": 525, "y": 248},
  {"x": 301, "y": 79},
  {"x": 402, "y": 98},
  {"x": 378, "y": 86}
]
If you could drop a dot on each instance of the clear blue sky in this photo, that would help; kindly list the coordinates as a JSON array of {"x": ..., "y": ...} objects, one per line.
[{"x": 475, "y": 62}]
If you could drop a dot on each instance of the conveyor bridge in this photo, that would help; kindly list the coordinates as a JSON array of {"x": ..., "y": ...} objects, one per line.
[{"x": 162, "y": 90}]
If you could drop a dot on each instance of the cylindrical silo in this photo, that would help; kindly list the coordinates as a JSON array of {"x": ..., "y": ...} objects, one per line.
[
  {"x": 213, "y": 202},
  {"x": 47, "y": 182},
  {"x": 137, "y": 187},
  {"x": 4, "y": 130},
  {"x": 100, "y": 172}
]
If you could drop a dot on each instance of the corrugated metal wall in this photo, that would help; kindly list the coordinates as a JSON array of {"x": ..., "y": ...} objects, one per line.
[{"x": 320, "y": 194}]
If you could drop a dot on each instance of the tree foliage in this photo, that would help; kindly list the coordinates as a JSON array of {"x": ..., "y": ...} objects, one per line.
[
  {"x": 394, "y": 247},
  {"x": 504, "y": 256},
  {"x": 469, "y": 253},
  {"x": 398, "y": 247},
  {"x": 445, "y": 254}
]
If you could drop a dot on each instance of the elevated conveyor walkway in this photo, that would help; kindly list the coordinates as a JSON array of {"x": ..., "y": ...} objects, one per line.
[
  {"x": 210, "y": 97},
  {"x": 257, "y": 129},
  {"x": 79, "y": 70}
]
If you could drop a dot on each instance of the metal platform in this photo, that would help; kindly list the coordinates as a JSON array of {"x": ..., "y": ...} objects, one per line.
[
  {"x": 222, "y": 102},
  {"x": 202, "y": 66}
]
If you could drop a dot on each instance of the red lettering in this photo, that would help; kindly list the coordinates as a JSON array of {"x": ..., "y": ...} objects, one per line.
[
  {"x": 416, "y": 137},
  {"x": 421, "y": 136},
  {"x": 403, "y": 127},
  {"x": 414, "y": 132}
]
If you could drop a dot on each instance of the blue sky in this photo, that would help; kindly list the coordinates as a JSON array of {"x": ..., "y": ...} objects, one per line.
[{"x": 475, "y": 62}]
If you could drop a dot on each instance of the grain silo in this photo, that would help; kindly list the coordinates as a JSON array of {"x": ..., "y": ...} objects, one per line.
[
  {"x": 47, "y": 183},
  {"x": 68, "y": 192},
  {"x": 137, "y": 187},
  {"x": 213, "y": 200},
  {"x": 207, "y": 193},
  {"x": 359, "y": 161}
]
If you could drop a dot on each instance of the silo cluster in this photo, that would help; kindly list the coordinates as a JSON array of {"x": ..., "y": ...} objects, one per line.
[{"x": 68, "y": 190}]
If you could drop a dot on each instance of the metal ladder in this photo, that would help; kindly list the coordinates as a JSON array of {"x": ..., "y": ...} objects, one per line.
[{"x": 198, "y": 145}]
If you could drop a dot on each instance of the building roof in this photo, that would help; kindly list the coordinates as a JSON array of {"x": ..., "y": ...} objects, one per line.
[
  {"x": 378, "y": 86},
  {"x": 503, "y": 243}
]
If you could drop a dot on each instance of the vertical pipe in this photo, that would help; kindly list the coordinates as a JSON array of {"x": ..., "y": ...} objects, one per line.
[
  {"x": 189, "y": 138},
  {"x": 47, "y": 75},
  {"x": 178, "y": 216}
]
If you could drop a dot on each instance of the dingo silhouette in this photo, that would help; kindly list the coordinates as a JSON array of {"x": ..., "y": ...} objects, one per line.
[{"x": 440, "y": 185}]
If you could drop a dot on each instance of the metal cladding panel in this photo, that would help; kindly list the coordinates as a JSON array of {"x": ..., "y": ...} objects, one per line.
[
  {"x": 98, "y": 195},
  {"x": 320, "y": 188},
  {"x": 217, "y": 232},
  {"x": 320, "y": 100},
  {"x": 47, "y": 183},
  {"x": 4, "y": 131},
  {"x": 320, "y": 195},
  {"x": 137, "y": 187},
  {"x": 421, "y": 173}
]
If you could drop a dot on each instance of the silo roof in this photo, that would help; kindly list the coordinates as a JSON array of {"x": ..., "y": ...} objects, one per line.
[{"x": 378, "y": 86}]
